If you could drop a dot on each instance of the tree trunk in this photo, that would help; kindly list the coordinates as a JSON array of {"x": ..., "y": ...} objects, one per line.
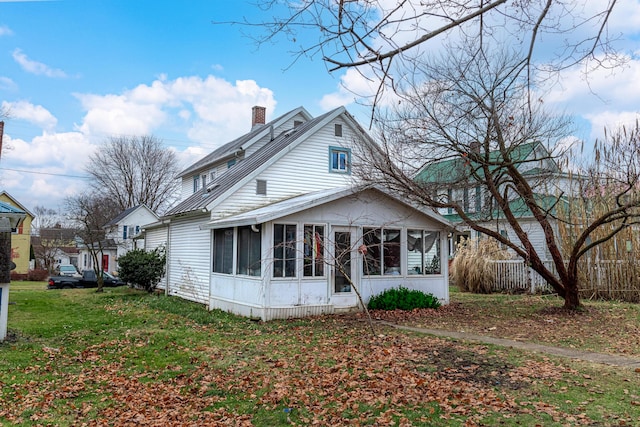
[{"x": 571, "y": 297}]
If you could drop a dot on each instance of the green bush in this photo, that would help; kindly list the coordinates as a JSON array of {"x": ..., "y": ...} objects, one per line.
[
  {"x": 402, "y": 299},
  {"x": 143, "y": 269}
]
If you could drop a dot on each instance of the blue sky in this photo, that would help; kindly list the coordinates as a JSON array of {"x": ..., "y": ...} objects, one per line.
[{"x": 74, "y": 73}]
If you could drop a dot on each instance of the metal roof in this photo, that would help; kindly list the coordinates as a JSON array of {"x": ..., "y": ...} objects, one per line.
[
  {"x": 244, "y": 169},
  {"x": 229, "y": 149},
  {"x": 307, "y": 201},
  {"x": 6, "y": 208}
]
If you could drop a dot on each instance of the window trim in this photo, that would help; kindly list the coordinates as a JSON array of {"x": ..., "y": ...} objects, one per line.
[
  {"x": 425, "y": 264},
  {"x": 315, "y": 261},
  {"x": 382, "y": 251},
  {"x": 196, "y": 182},
  {"x": 340, "y": 150},
  {"x": 281, "y": 262}
]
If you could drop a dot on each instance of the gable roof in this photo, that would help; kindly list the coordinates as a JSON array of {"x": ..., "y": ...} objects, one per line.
[
  {"x": 453, "y": 170},
  {"x": 306, "y": 201},
  {"x": 6, "y": 208},
  {"x": 12, "y": 213},
  {"x": 246, "y": 169},
  {"x": 242, "y": 143},
  {"x": 125, "y": 213},
  {"x": 17, "y": 203}
]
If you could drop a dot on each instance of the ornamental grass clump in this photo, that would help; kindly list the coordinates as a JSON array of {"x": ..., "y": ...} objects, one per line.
[
  {"x": 472, "y": 268},
  {"x": 402, "y": 299}
]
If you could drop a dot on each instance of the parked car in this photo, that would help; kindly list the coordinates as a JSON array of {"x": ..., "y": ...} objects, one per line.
[
  {"x": 87, "y": 280},
  {"x": 68, "y": 270}
]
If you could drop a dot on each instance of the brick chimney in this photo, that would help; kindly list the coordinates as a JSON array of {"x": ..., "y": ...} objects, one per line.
[{"x": 258, "y": 116}]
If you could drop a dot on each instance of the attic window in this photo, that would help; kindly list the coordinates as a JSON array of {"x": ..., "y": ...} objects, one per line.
[
  {"x": 231, "y": 163},
  {"x": 261, "y": 187},
  {"x": 339, "y": 160},
  {"x": 196, "y": 183},
  {"x": 338, "y": 129}
]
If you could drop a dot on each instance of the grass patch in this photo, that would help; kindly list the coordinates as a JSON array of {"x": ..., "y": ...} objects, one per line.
[{"x": 125, "y": 356}]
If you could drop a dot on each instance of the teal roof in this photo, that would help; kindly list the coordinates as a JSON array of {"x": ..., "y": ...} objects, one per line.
[
  {"x": 458, "y": 169},
  {"x": 518, "y": 207},
  {"x": 6, "y": 208}
]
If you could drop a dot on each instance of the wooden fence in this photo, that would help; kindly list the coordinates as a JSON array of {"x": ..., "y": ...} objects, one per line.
[{"x": 614, "y": 280}]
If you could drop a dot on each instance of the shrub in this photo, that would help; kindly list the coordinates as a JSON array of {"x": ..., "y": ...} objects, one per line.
[
  {"x": 38, "y": 275},
  {"x": 402, "y": 299},
  {"x": 142, "y": 269},
  {"x": 472, "y": 268}
]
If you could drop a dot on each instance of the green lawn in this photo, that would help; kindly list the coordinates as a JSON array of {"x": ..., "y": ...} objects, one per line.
[{"x": 124, "y": 357}]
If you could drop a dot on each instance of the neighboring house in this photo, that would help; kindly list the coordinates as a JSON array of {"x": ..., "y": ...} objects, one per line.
[
  {"x": 121, "y": 236},
  {"x": 21, "y": 236},
  {"x": 106, "y": 259},
  {"x": 125, "y": 228},
  {"x": 55, "y": 246},
  {"x": 274, "y": 225},
  {"x": 551, "y": 185}
]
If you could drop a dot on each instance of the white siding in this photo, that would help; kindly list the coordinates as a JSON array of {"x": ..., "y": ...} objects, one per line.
[
  {"x": 155, "y": 238},
  {"x": 304, "y": 169},
  {"x": 286, "y": 126},
  {"x": 270, "y": 298},
  {"x": 189, "y": 259}
]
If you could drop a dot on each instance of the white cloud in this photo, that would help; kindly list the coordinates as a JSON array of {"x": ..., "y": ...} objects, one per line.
[
  {"x": 62, "y": 153},
  {"x": 35, "y": 67},
  {"x": 607, "y": 98},
  {"x": 7, "y": 84},
  {"x": 118, "y": 115},
  {"x": 208, "y": 110},
  {"x": 55, "y": 163},
  {"x": 5, "y": 31},
  {"x": 35, "y": 114}
]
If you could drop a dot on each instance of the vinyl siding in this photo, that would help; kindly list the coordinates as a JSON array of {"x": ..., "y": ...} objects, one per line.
[
  {"x": 154, "y": 239},
  {"x": 189, "y": 259},
  {"x": 304, "y": 169}
]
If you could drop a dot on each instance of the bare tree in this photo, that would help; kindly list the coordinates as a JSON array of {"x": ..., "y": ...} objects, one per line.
[
  {"x": 134, "y": 171},
  {"x": 90, "y": 213},
  {"x": 470, "y": 142},
  {"x": 376, "y": 37},
  {"x": 51, "y": 236}
]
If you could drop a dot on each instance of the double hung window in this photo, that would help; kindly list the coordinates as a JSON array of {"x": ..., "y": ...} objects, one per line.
[
  {"x": 313, "y": 250},
  {"x": 423, "y": 252},
  {"x": 249, "y": 251},
  {"x": 284, "y": 250},
  {"x": 339, "y": 160},
  {"x": 381, "y": 250},
  {"x": 223, "y": 250}
]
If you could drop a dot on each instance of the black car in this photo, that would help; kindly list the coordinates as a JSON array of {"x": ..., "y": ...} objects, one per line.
[{"x": 88, "y": 280}]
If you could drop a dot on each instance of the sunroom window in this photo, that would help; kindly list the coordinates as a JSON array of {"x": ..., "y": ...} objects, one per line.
[
  {"x": 284, "y": 250},
  {"x": 223, "y": 250},
  {"x": 249, "y": 244},
  {"x": 381, "y": 250},
  {"x": 313, "y": 250},
  {"x": 423, "y": 252}
]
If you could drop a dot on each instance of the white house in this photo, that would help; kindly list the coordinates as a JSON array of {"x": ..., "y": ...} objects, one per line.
[
  {"x": 274, "y": 225},
  {"x": 122, "y": 234},
  {"x": 451, "y": 178}
]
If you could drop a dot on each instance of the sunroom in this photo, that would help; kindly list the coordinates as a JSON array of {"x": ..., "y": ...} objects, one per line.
[{"x": 325, "y": 252}]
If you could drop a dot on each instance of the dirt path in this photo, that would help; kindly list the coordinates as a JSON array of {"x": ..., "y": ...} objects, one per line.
[{"x": 607, "y": 359}]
